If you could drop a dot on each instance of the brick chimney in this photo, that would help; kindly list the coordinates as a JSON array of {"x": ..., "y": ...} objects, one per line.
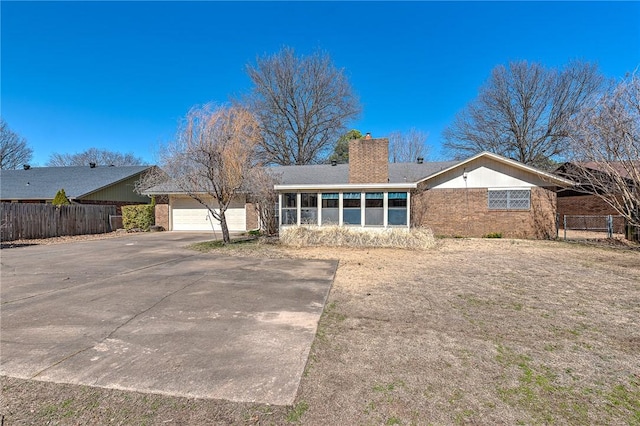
[{"x": 369, "y": 160}]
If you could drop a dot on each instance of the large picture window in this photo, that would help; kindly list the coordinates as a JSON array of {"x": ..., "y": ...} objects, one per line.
[
  {"x": 351, "y": 208},
  {"x": 374, "y": 209},
  {"x": 290, "y": 208},
  {"x": 509, "y": 199},
  {"x": 397, "y": 208},
  {"x": 330, "y": 208}
]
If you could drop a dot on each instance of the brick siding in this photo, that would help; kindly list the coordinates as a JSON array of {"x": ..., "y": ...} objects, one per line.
[
  {"x": 162, "y": 215},
  {"x": 369, "y": 160},
  {"x": 465, "y": 213},
  {"x": 590, "y": 205}
]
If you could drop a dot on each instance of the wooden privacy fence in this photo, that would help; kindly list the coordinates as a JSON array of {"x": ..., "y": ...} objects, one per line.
[{"x": 28, "y": 221}]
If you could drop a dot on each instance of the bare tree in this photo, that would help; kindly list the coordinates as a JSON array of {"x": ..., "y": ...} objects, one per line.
[
  {"x": 606, "y": 149},
  {"x": 14, "y": 151},
  {"x": 212, "y": 155},
  {"x": 523, "y": 112},
  {"x": 261, "y": 182},
  {"x": 303, "y": 104},
  {"x": 407, "y": 147},
  {"x": 100, "y": 157}
]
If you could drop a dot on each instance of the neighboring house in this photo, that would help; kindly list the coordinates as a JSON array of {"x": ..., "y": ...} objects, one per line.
[
  {"x": 90, "y": 184},
  {"x": 586, "y": 198},
  {"x": 582, "y": 199},
  {"x": 180, "y": 212},
  {"x": 483, "y": 194}
]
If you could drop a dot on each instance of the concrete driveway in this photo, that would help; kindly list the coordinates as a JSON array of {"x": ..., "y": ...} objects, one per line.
[{"x": 142, "y": 313}]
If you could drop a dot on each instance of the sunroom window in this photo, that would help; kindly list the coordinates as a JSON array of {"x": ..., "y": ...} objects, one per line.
[
  {"x": 351, "y": 208},
  {"x": 330, "y": 208},
  {"x": 374, "y": 209},
  {"x": 289, "y": 208},
  {"x": 397, "y": 208},
  {"x": 309, "y": 208}
]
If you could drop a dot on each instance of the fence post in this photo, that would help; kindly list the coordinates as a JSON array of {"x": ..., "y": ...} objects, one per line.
[
  {"x": 609, "y": 226},
  {"x": 565, "y": 226}
]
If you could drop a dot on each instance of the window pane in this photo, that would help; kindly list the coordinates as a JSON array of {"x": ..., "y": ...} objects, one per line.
[
  {"x": 351, "y": 195},
  {"x": 351, "y": 216},
  {"x": 397, "y": 195},
  {"x": 308, "y": 200},
  {"x": 397, "y": 202},
  {"x": 351, "y": 203},
  {"x": 289, "y": 199},
  {"x": 373, "y": 195},
  {"x": 289, "y": 216},
  {"x": 497, "y": 200},
  {"x": 330, "y": 196},
  {"x": 330, "y": 216},
  {"x": 374, "y": 216},
  {"x": 330, "y": 203},
  {"x": 309, "y": 216},
  {"x": 397, "y": 216},
  {"x": 512, "y": 199},
  {"x": 374, "y": 203}
]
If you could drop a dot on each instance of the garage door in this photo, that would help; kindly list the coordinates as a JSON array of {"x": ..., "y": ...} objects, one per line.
[{"x": 189, "y": 215}]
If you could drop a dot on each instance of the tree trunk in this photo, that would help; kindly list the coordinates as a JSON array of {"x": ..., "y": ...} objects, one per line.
[{"x": 225, "y": 229}]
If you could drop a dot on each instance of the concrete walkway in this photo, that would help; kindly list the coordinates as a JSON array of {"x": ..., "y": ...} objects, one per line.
[{"x": 142, "y": 313}]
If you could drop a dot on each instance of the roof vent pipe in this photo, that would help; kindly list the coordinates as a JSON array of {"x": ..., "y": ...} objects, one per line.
[
  {"x": 92, "y": 165},
  {"x": 334, "y": 162},
  {"x": 420, "y": 160},
  {"x": 368, "y": 135},
  {"x": 26, "y": 166}
]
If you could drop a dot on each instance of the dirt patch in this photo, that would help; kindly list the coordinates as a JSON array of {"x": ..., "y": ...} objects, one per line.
[
  {"x": 61, "y": 240},
  {"x": 474, "y": 331}
]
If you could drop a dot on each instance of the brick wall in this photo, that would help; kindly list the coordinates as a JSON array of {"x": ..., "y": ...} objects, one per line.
[
  {"x": 465, "y": 212},
  {"x": 162, "y": 215},
  {"x": 583, "y": 205},
  {"x": 369, "y": 160}
]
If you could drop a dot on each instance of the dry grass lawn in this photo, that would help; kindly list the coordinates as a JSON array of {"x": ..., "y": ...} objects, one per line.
[{"x": 470, "y": 332}]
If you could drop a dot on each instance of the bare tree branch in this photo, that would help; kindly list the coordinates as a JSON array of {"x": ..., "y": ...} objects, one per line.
[
  {"x": 303, "y": 104},
  {"x": 606, "y": 149},
  {"x": 523, "y": 112},
  {"x": 94, "y": 155},
  {"x": 212, "y": 155},
  {"x": 14, "y": 151},
  {"x": 407, "y": 147}
]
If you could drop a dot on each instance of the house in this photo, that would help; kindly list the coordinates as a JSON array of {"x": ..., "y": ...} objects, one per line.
[
  {"x": 90, "y": 184},
  {"x": 615, "y": 181},
  {"x": 483, "y": 194}
]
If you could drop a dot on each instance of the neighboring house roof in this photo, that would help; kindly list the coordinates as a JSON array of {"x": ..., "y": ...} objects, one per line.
[
  {"x": 42, "y": 183},
  {"x": 620, "y": 167}
]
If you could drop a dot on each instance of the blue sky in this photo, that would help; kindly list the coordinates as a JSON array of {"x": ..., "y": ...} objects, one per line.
[{"x": 119, "y": 75}]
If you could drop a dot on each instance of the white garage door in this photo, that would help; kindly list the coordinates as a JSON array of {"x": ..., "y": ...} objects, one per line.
[{"x": 189, "y": 215}]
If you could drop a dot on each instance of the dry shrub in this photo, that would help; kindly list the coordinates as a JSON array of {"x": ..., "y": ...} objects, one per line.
[{"x": 340, "y": 236}]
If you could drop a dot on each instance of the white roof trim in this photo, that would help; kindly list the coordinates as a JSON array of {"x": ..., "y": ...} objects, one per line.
[
  {"x": 543, "y": 175},
  {"x": 346, "y": 186}
]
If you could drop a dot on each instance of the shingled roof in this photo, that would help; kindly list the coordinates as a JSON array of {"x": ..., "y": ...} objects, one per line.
[
  {"x": 42, "y": 183},
  {"x": 326, "y": 174}
]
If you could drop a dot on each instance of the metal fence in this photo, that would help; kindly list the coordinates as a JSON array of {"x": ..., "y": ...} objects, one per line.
[
  {"x": 592, "y": 227},
  {"x": 29, "y": 221}
]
